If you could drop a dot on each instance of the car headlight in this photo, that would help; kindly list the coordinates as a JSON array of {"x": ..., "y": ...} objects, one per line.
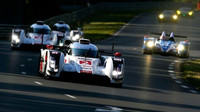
[
  {"x": 175, "y": 17},
  {"x": 117, "y": 74},
  {"x": 60, "y": 44},
  {"x": 178, "y": 12},
  {"x": 52, "y": 64},
  {"x": 161, "y": 16},
  {"x": 75, "y": 38},
  {"x": 181, "y": 47},
  {"x": 150, "y": 44},
  {"x": 190, "y": 13},
  {"x": 15, "y": 38}
]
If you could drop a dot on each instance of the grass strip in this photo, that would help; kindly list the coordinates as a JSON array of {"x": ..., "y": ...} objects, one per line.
[
  {"x": 103, "y": 24},
  {"x": 191, "y": 72}
]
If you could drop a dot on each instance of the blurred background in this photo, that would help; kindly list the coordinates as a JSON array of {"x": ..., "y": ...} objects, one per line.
[{"x": 28, "y": 11}]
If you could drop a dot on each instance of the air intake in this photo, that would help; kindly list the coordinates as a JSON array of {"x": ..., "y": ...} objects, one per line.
[
  {"x": 40, "y": 22},
  {"x": 84, "y": 41},
  {"x": 61, "y": 22}
]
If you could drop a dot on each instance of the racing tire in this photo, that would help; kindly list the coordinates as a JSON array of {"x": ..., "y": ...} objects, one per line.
[
  {"x": 118, "y": 85},
  {"x": 47, "y": 76},
  {"x": 14, "y": 48},
  {"x": 144, "y": 52}
]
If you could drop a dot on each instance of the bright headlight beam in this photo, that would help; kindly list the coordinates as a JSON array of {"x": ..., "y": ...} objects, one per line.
[
  {"x": 181, "y": 47},
  {"x": 190, "y": 13},
  {"x": 161, "y": 16},
  {"x": 178, "y": 12},
  {"x": 150, "y": 44},
  {"x": 175, "y": 16},
  {"x": 76, "y": 37},
  {"x": 15, "y": 38}
]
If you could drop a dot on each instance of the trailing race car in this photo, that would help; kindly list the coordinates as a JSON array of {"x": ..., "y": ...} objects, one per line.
[
  {"x": 61, "y": 31},
  {"x": 81, "y": 58},
  {"x": 76, "y": 35},
  {"x": 38, "y": 35},
  {"x": 185, "y": 11},
  {"x": 166, "y": 46},
  {"x": 168, "y": 15}
]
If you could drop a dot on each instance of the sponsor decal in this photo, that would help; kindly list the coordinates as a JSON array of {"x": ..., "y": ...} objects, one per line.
[{"x": 86, "y": 66}]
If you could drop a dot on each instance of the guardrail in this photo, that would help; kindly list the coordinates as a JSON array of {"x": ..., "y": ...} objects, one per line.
[{"x": 6, "y": 30}]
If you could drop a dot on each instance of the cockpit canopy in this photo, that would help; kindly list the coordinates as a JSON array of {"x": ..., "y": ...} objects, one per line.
[
  {"x": 40, "y": 28},
  {"x": 61, "y": 26},
  {"x": 84, "y": 50}
]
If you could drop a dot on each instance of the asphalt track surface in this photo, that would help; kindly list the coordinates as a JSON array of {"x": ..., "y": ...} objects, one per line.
[{"x": 152, "y": 82}]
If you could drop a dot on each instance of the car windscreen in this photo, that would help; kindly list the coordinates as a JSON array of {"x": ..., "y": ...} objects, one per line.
[
  {"x": 39, "y": 30},
  {"x": 84, "y": 52},
  {"x": 168, "y": 13},
  {"x": 60, "y": 28},
  {"x": 185, "y": 9}
]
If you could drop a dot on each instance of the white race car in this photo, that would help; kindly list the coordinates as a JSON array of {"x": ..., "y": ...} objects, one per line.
[
  {"x": 61, "y": 31},
  {"x": 81, "y": 58},
  {"x": 38, "y": 35},
  {"x": 76, "y": 35}
]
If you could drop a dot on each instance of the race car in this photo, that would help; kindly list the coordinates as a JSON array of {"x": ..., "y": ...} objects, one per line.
[
  {"x": 168, "y": 15},
  {"x": 82, "y": 58},
  {"x": 185, "y": 11},
  {"x": 38, "y": 35},
  {"x": 61, "y": 31},
  {"x": 76, "y": 35},
  {"x": 166, "y": 46}
]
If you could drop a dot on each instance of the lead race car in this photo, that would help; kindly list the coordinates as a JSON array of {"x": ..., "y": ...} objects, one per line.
[
  {"x": 166, "y": 46},
  {"x": 81, "y": 58},
  {"x": 38, "y": 35}
]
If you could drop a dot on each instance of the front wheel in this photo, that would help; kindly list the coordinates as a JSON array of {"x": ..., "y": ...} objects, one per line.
[{"x": 119, "y": 85}]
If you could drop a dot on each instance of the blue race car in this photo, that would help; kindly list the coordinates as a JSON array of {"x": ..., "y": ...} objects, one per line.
[{"x": 166, "y": 46}]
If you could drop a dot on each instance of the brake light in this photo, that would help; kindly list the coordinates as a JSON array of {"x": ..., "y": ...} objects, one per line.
[
  {"x": 49, "y": 46},
  {"x": 118, "y": 54},
  {"x": 146, "y": 36}
]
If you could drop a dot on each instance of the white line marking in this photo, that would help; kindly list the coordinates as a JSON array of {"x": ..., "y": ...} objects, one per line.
[
  {"x": 171, "y": 65},
  {"x": 39, "y": 83},
  {"x": 24, "y": 73},
  {"x": 22, "y": 65},
  {"x": 123, "y": 27},
  {"x": 172, "y": 74},
  {"x": 109, "y": 109},
  {"x": 170, "y": 68},
  {"x": 171, "y": 71},
  {"x": 184, "y": 86},
  {"x": 174, "y": 78},
  {"x": 70, "y": 96},
  {"x": 177, "y": 61},
  {"x": 192, "y": 91},
  {"x": 29, "y": 59},
  {"x": 179, "y": 82}
]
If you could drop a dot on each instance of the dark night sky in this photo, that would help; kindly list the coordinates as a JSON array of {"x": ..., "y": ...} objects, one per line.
[{"x": 28, "y": 11}]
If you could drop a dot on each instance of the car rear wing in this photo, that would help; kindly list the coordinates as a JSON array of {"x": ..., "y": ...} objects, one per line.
[{"x": 179, "y": 36}]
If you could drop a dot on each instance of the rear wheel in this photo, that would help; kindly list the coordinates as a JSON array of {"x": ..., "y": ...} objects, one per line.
[{"x": 144, "y": 51}]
